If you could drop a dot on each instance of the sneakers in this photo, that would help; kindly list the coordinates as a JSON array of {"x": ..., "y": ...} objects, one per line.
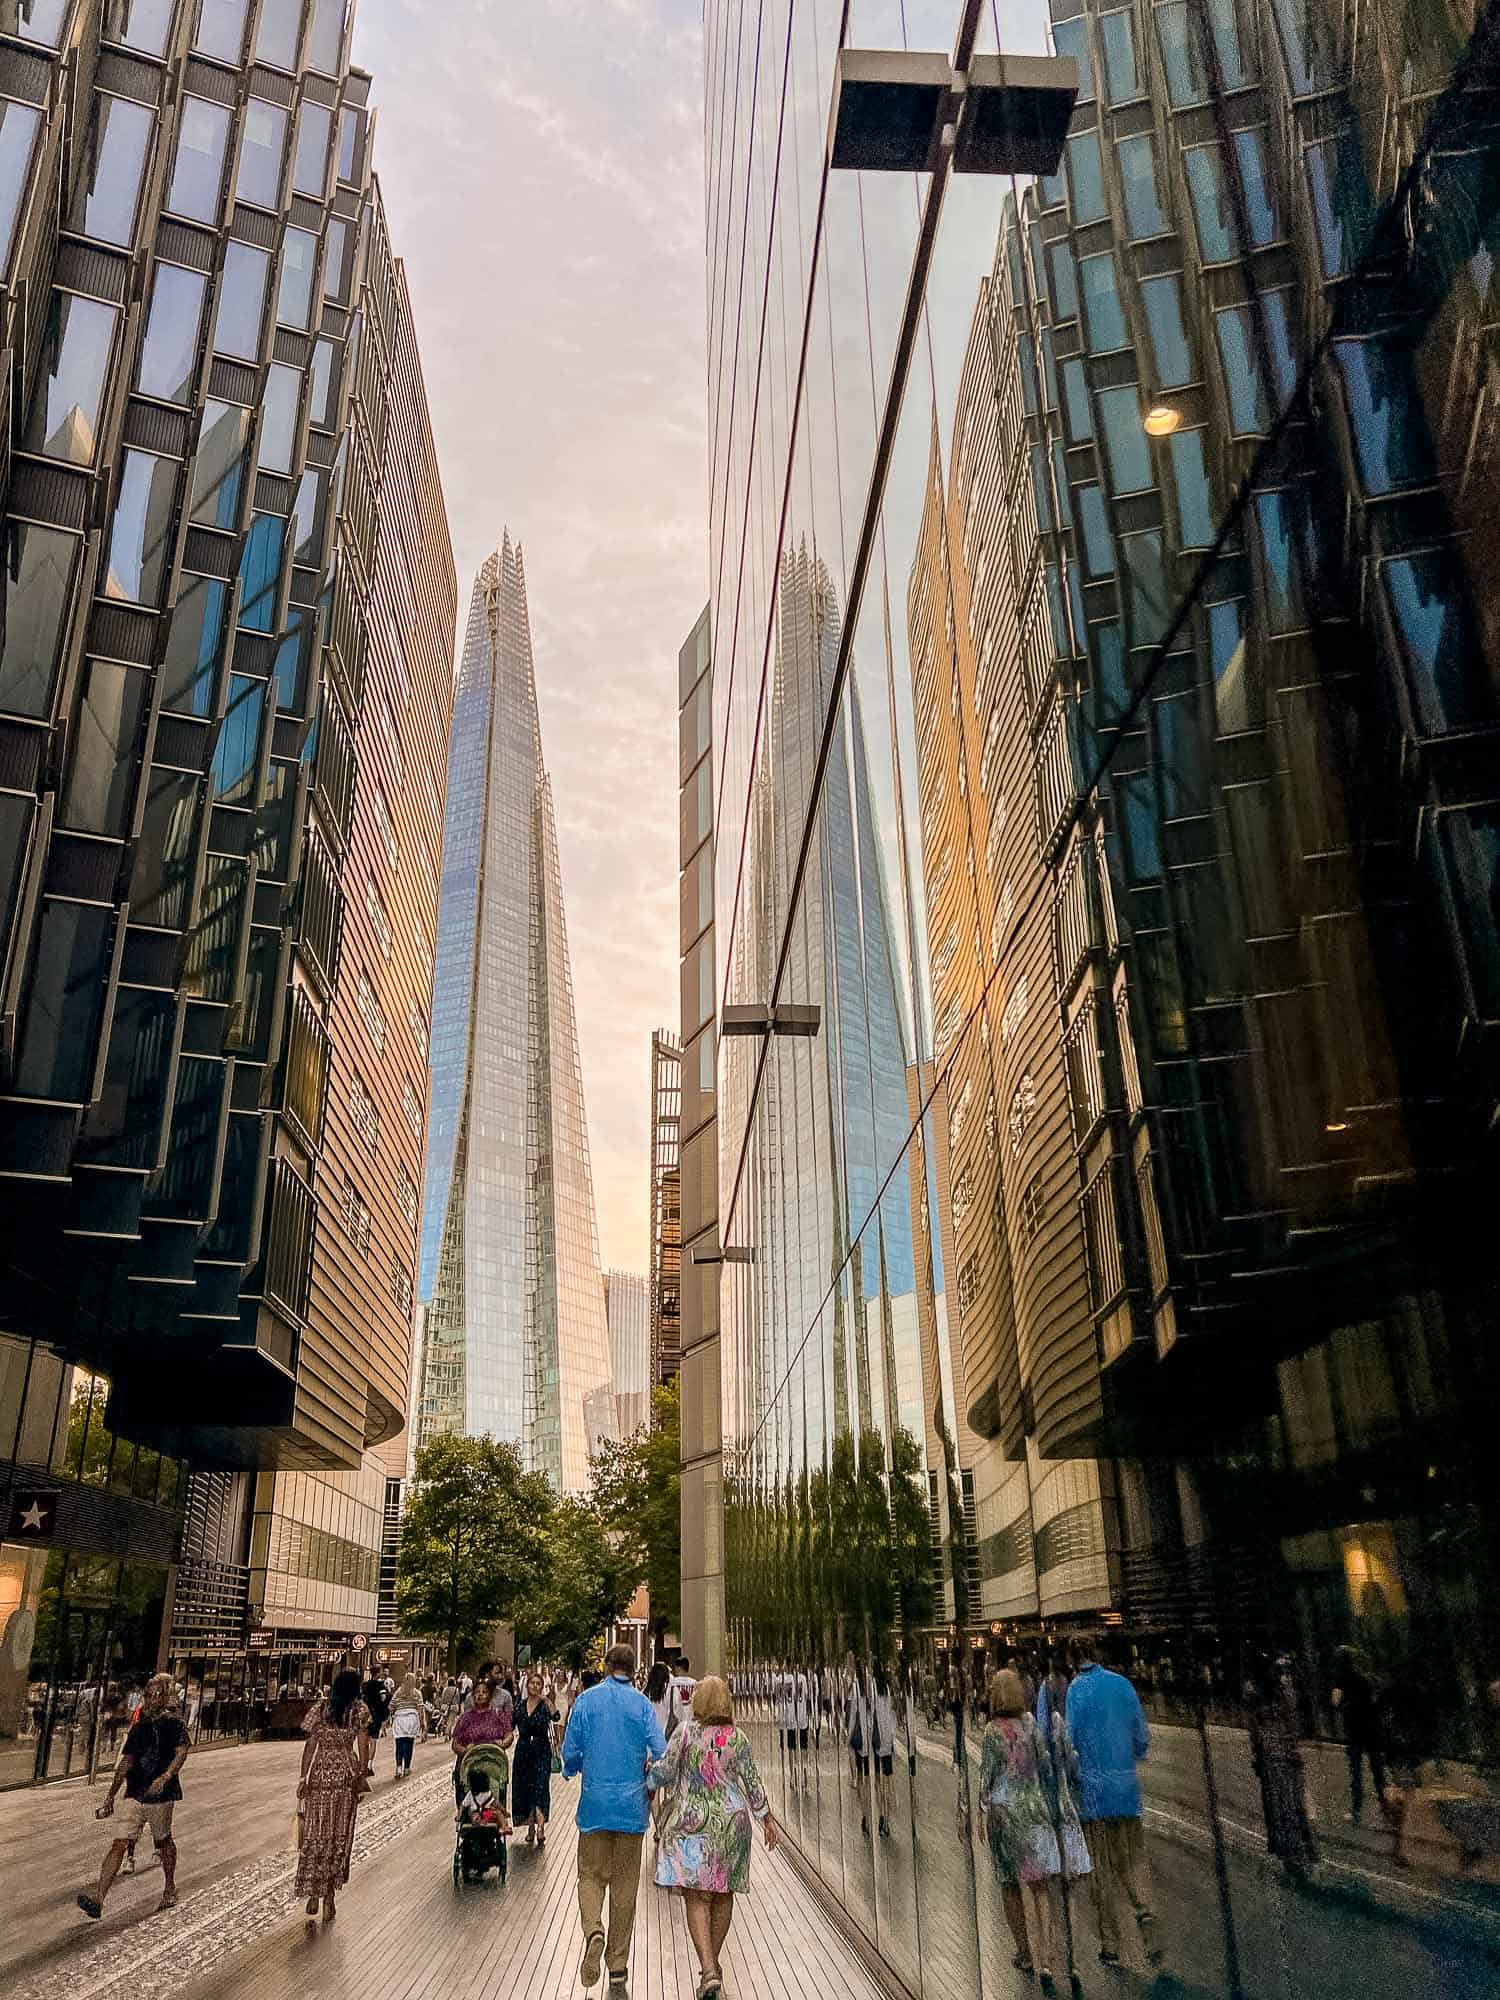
[
  {"x": 592, "y": 1960},
  {"x": 619, "y": 1986},
  {"x": 91, "y": 1907}
]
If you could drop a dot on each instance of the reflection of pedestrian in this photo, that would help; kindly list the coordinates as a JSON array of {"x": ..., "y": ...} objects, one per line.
[
  {"x": 1109, "y": 1733},
  {"x": 334, "y": 1778},
  {"x": 1276, "y": 1754},
  {"x": 611, "y": 1732},
  {"x": 1358, "y": 1703},
  {"x": 155, "y": 1751},
  {"x": 1016, "y": 1777}
]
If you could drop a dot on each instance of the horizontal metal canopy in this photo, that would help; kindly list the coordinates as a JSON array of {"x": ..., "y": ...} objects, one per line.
[{"x": 1009, "y": 114}]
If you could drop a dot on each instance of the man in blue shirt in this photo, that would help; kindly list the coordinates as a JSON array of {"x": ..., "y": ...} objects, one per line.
[
  {"x": 612, "y": 1735},
  {"x": 1109, "y": 1733}
]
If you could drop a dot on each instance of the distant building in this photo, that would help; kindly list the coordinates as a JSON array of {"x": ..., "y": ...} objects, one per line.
[{"x": 627, "y": 1298}]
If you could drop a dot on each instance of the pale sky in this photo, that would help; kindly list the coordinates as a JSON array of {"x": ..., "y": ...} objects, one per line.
[{"x": 541, "y": 162}]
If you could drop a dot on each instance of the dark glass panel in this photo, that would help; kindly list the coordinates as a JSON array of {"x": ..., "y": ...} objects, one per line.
[
  {"x": 163, "y": 867},
  {"x": 70, "y": 971},
  {"x": 219, "y": 467},
  {"x": 238, "y": 748},
  {"x": 184, "y": 1186},
  {"x": 194, "y": 638},
  {"x": 212, "y": 956},
  {"x": 294, "y": 659},
  {"x": 37, "y": 583},
  {"x": 124, "y": 1123},
  {"x": 101, "y": 771}
]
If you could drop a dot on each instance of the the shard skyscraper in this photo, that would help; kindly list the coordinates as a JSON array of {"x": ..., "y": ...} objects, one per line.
[{"x": 517, "y": 1345}]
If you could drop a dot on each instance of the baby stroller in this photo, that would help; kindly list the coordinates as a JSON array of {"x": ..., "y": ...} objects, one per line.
[{"x": 483, "y": 1819}]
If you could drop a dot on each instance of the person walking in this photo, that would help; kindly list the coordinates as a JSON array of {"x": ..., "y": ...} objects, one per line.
[
  {"x": 714, "y": 1796},
  {"x": 1109, "y": 1733},
  {"x": 408, "y": 1723},
  {"x": 612, "y": 1732},
  {"x": 1031, "y": 1820},
  {"x": 448, "y": 1705},
  {"x": 531, "y": 1767},
  {"x": 335, "y": 1777},
  {"x": 1357, "y": 1700},
  {"x": 662, "y": 1696},
  {"x": 377, "y": 1701},
  {"x": 488, "y": 1720},
  {"x": 154, "y": 1753},
  {"x": 1276, "y": 1756}
]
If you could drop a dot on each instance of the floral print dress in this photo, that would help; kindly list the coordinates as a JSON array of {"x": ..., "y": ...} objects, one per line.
[
  {"x": 714, "y": 1796},
  {"x": 1027, "y": 1790}
]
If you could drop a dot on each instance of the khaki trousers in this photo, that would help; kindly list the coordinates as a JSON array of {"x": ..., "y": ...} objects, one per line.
[
  {"x": 1121, "y": 1878},
  {"x": 610, "y": 1861}
]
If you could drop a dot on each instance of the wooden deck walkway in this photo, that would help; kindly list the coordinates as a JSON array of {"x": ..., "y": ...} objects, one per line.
[{"x": 403, "y": 1932}]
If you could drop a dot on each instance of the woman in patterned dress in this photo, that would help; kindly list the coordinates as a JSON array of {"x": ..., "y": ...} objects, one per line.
[
  {"x": 711, "y": 1794},
  {"x": 1026, "y": 1786},
  {"x": 335, "y": 1777}
]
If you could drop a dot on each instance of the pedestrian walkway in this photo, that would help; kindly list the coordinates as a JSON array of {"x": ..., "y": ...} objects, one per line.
[{"x": 405, "y": 1933}]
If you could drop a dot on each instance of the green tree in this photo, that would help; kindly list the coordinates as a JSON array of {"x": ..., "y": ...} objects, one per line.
[
  {"x": 473, "y": 1539},
  {"x": 580, "y": 1589},
  {"x": 638, "y": 1492}
]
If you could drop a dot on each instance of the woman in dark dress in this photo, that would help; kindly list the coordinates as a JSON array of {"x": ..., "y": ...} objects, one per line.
[{"x": 531, "y": 1762}]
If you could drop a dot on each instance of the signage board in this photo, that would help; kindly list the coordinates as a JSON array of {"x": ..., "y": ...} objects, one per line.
[{"x": 33, "y": 1513}]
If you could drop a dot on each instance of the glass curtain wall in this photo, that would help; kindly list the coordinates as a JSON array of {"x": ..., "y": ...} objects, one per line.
[{"x": 1104, "y": 743}]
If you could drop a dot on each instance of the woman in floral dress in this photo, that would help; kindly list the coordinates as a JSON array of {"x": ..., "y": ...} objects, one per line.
[
  {"x": 335, "y": 1777},
  {"x": 1026, "y": 1786},
  {"x": 710, "y": 1794}
]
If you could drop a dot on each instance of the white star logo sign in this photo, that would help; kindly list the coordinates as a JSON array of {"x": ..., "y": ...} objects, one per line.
[{"x": 33, "y": 1517}]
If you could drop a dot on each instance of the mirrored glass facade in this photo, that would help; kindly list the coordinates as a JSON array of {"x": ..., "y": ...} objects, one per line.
[
  {"x": 516, "y": 1343},
  {"x": 1102, "y": 741}
]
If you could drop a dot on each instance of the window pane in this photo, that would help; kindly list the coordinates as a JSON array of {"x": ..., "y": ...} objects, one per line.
[
  {"x": 1145, "y": 587},
  {"x": 1226, "y": 638},
  {"x": 1086, "y": 178},
  {"x": 323, "y": 385},
  {"x": 219, "y": 468},
  {"x": 242, "y": 301},
  {"x": 169, "y": 353},
  {"x": 1205, "y": 179},
  {"x": 276, "y": 33},
  {"x": 1444, "y": 658},
  {"x": 221, "y": 29},
  {"x": 1249, "y": 406},
  {"x": 293, "y": 657},
  {"x": 299, "y": 253},
  {"x": 138, "y": 543},
  {"x": 1178, "y": 35},
  {"x": 1280, "y": 522},
  {"x": 1104, "y": 317},
  {"x": 1071, "y": 38},
  {"x": 198, "y": 173},
  {"x": 57, "y": 1049},
  {"x": 236, "y": 752},
  {"x": 348, "y": 141},
  {"x": 262, "y": 147},
  {"x": 310, "y": 164},
  {"x": 1340, "y": 200},
  {"x": 1195, "y": 508},
  {"x": 194, "y": 637},
  {"x": 325, "y": 40},
  {"x": 1138, "y": 173},
  {"x": 1117, "y": 36},
  {"x": 1391, "y": 438},
  {"x": 163, "y": 854},
  {"x": 260, "y": 569},
  {"x": 1125, "y": 441},
  {"x": 1064, "y": 282},
  {"x": 37, "y": 584},
  {"x": 307, "y": 517},
  {"x": 109, "y": 173},
  {"x": 76, "y": 347},
  {"x": 18, "y": 123},
  {"x": 1259, "y": 208},
  {"x": 278, "y": 422},
  {"x": 40, "y": 21},
  {"x": 213, "y": 945},
  {"x": 336, "y": 257},
  {"x": 139, "y": 24},
  {"x": 100, "y": 773},
  {"x": 1098, "y": 547},
  {"x": 1162, "y": 299},
  {"x": 1076, "y": 397}
]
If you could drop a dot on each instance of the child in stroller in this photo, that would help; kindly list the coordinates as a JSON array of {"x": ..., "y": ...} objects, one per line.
[{"x": 483, "y": 1820}]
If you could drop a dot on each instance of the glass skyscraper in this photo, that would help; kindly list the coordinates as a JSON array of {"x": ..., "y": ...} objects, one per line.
[{"x": 517, "y": 1345}]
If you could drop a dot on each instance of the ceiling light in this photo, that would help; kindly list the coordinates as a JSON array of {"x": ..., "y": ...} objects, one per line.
[
  {"x": 1337, "y": 1125},
  {"x": 1161, "y": 420}
]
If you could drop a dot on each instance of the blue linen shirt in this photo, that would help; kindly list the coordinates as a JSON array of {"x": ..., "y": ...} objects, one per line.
[
  {"x": 1109, "y": 1732},
  {"x": 612, "y": 1732}
]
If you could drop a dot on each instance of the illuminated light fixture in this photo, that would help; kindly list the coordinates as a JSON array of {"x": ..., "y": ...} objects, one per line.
[
  {"x": 1161, "y": 420},
  {"x": 1337, "y": 1125}
]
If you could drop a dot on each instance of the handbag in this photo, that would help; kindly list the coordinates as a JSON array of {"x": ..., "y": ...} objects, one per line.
[{"x": 556, "y": 1765}]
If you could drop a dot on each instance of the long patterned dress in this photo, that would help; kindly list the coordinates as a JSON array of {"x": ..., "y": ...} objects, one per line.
[
  {"x": 715, "y": 1796},
  {"x": 1017, "y": 1809},
  {"x": 335, "y": 1783}
]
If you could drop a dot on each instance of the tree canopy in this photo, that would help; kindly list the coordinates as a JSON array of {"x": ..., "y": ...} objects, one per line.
[
  {"x": 474, "y": 1539},
  {"x": 637, "y": 1490},
  {"x": 579, "y": 1590}
]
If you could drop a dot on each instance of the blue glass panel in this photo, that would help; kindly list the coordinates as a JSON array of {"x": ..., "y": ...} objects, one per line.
[
  {"x": 1110, "y": 687},
  {"x": 1138, "y": 173},
  {"x": 1280, "y": 527},
  {"x": 1226, "y": 647},
  {"x": 1104, "y": 316},
  {"x": 1117, "y": 39},
  {"x": 1260, "y": 210},
  {"x": 1340, "y": 199},
  {"x": 1146, "y": 586},
  {"x": 1026, "y": 348},
  {"x": 237, "y": 750},
  {"x": 1064, "y": 282},
  {"x": 1061, "y": 644},
  {"x": 1391, "y": 438},
  {"x": 1098, "y": 546},
  {"x": 1170, "y": 349},
  {"x": 1049, "y": 369},
  {"x": 1040, "y": 489},
  {"x": 1205, "y": 178},
  {"x": 1223, "y": 18},
  {"x": 1076, "y": 391},
  {"x": 1249, "y": 406},
  {"x": 1444, "y": 656},
  {"x": 1060, "y": 481},
  {"x": 260, "y": 569},
  {"x": 1178, "y": 36},
  {"x": 1195, "y": 506},
  {"x": 194, "y": 637},
  {"x": 1086, "y": 178},
  {"x": 1071, "y": 38},
  {"x": 1126, "y": 445}
]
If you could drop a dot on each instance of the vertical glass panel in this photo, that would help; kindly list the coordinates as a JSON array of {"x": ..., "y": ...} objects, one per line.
[
  {"x": 1226, "y": 646},
  {"x": 1086, "y": 178},
  {"x": 213, "y": 946},
  {"x": 1195, "y": 511},
  {"x": 1064, "y": 282},
  {"x": 1098, "y": 544},
  {"x": 37, "y": 583},
  {"x": 1340, "y": 199},
  {"x": 1178, "y": 35},
  {"x": 262, "y": 148},
  {"x": 1260, "y": 210},
  {"x": 219, "y": 467},
  {"x": 1026, "y": 352},
  {"x": 1107, "y": 647},
  {"x": 293, "y": 659},
  {"x": 307, "y": 516},
  {"x": 101, "y": 770},
  {"x": 39, "y": 21},
  {"x": 273, "y": 822},
  {"x": 242, "y": 301},
  {"x": 1103, "y": 314},
  {"x": 1276, "y": 314},
  {"x": 18, "y": 123},
  {"x": 1280, "y": 524},
  {"x": 1126, "y": 444},
  {"x": 197, "y": 188},
  {"x": 335, "y": 257},
  {"x": 1146, "y": 596},
  {"x": 1076, "y": 400},
  {"x": 221, "y": 29},
  {"x": 194, "y": 638},
  {"x": 1041, "y": 490},
  {"x": 237, "y": 749},
  {"x": 310, "y": 162},
  {"x": 1249, "y": 406},
  {"x": 1428, "y": 598},
  {"x": 278, "y": 419},
  {"x": 1223, "y": 19},
  {"x": 108, "y": 184},
  {"x": 1170, "y": 352},
  {"x": 139, "y": 24},
  {"x": 65, "y": 404},
  {"x": 276, "y": 33},
  {"x": 322, "y": 402},
  {"x": 299, "y": 254},
  {"x": 70, "y": 973},
  {"x": 1204, "y": 167},
  {"x": 1117, "y": 39},
  {"x": 1137, "y": 158},
  {"x": 163, "y": 866},
  {"x": 1309, "y": 38},
  {"x": 1071, "y": 38},
  {"x": 325, "y": 38},
  {"x": 260, "y": 570},
  {"x": 169, "y": 352},
  {"x": 1391, "y": 438},
  {"x": 139, "y": 542}
]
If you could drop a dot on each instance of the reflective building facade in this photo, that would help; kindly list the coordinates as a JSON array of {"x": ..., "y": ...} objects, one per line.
[
  {"x": 627, "y": 1303},
  {"x": 1103, "y": 740},
  {"x": 516, "y": 1340}
]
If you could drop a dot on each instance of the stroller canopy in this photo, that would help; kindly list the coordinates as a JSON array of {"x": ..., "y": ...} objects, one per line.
[{"x": 485, "y": 1768}]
